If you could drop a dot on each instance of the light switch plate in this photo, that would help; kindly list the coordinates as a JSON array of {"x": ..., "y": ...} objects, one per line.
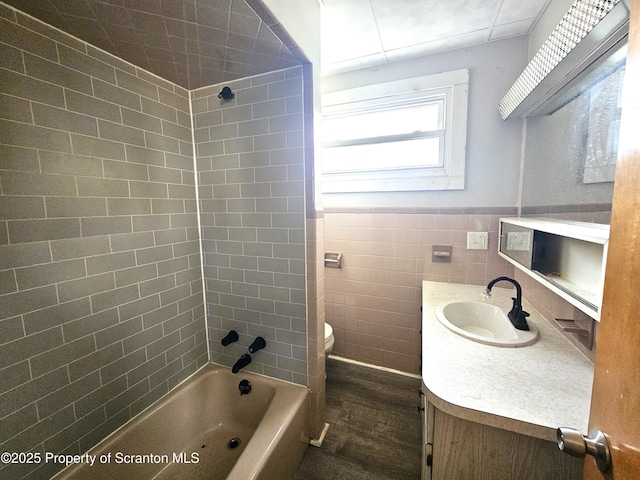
[{"x": 477, "y": 240}]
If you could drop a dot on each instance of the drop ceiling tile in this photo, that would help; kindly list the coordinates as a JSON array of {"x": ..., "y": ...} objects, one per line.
[
  {"x": 513, "y": 11},
  {"x": 439, "y": 45},
  {"x": 511, "y": 29},
  {"x": 368, "y": 61},
  {"x": 419, "y": 21},
  {"x": 348, "y": 31}
]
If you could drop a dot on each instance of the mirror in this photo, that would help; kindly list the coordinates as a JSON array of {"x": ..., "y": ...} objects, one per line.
[{"x": 570, "y": 151}]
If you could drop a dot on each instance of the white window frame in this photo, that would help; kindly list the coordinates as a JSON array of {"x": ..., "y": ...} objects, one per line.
[{"x": 453, "y": 87}]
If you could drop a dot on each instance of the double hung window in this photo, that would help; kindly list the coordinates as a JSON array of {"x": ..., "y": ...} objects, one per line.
[{"x": 396, "y": 136}]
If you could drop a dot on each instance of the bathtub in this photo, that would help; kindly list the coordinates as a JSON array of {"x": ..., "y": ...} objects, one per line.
[{"x": 205, "y": 429}]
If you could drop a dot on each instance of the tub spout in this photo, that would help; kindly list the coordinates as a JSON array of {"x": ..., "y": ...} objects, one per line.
[
  {"x": 258, "y": 344},
  {"x": 231, "y": 337},
  {"x": 244, "y": 360}
]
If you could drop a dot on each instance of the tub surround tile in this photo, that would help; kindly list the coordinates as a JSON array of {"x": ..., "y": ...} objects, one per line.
[
  {"x": 253, "y": 228},
  {"x": 99, "y": 235},
  {"x": 97, "y": 177}
]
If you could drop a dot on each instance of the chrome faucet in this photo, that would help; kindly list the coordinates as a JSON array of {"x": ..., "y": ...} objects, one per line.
[{"x": 517, "y": 316}]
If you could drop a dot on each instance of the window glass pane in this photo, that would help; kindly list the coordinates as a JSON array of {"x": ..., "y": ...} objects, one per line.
[
  {"x": 417, "y": 118},
  {"x": 419, "y": 152}
]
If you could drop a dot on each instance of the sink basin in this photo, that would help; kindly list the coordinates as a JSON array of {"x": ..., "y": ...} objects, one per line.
[{"x": 484, "y": 323}]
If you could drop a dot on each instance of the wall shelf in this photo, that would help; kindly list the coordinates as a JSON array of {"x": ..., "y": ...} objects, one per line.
[{"x": 565, "y": 256}]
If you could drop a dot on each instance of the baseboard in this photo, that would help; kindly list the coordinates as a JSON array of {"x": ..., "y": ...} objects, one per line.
[
  {"x": 375, "y": 367},
  {"x": 318, "y": 442}
]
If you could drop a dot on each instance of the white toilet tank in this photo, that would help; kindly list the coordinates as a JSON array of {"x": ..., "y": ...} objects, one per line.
[{"x": 328, "y": 338}]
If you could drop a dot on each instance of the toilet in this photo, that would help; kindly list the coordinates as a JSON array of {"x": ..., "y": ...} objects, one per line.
[{"x": 328, "y": 339}]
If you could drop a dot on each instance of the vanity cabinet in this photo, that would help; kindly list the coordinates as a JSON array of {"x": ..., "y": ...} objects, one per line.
[
  {"x": 491, "y": 413},
  {"x": 428, "y": 412},
  {"x": 467, "y": 450},
  {"x": 565, "y": 256}
]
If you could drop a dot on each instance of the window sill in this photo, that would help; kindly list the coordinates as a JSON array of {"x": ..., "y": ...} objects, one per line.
[{"x": 405, "y": 181}]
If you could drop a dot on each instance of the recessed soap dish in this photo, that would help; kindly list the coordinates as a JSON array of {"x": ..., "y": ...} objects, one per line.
[{"x": 583, "y": 334}]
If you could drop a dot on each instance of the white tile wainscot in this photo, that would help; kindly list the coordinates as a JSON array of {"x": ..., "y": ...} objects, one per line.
[{"x": 512, "y": 399}]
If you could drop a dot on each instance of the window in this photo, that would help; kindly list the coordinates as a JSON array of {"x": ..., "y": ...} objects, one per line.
[{"x": 396, "y": 136}]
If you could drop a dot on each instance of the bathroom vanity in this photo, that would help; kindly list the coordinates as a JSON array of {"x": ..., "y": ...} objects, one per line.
[{"x": 491, "y": 412}]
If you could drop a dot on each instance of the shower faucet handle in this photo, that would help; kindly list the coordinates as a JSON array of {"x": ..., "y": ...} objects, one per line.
[
  {"x": 258, "y": 344},
  {"x": 231, "y": 337}
]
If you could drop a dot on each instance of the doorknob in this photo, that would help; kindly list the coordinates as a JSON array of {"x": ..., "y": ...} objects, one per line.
[{"x": 571, "y": 441}]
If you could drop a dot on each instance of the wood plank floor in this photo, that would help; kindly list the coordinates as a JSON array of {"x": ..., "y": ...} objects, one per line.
[{"x": 375, "y": 427}]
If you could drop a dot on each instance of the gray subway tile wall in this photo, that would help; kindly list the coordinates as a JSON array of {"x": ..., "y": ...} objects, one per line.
[
  {"x": 251, "y": 187},
  {"x": 101, "y": 301}
]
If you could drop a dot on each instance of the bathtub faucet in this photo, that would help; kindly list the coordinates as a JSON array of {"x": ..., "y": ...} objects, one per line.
[
  {"x": 244, "y": 360},
  {"x": 517, "y": 316}
]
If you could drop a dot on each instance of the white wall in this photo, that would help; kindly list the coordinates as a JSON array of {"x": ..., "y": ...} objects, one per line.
[
  {"x": 493, "y": 145},
  {"x": 301, "y": 20}
]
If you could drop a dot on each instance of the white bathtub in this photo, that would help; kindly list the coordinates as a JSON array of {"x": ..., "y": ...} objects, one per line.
[{"x": 187, "y": 433}]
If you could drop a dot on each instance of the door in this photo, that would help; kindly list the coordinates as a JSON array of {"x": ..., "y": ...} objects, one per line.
[{"x": 615, "y": 402}]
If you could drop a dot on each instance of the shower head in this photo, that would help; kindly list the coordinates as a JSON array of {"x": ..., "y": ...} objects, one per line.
[{"x": 226, "y": 94}]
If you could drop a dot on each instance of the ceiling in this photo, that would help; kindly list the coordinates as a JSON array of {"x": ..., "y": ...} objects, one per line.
[
  {"x": 195, "y": 43},
  {"x": 369, "y": 33}
]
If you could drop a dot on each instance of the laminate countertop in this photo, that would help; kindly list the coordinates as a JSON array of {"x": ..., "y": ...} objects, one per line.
[{"x": 530, "y": 390}]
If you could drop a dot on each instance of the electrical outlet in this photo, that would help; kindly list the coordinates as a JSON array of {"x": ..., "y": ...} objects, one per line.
[
  {"x": 518, "y": 241},
  {"x": 477, "y": 240}
]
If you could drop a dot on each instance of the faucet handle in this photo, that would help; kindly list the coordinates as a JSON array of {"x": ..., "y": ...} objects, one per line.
[
  {"x": 229, "y": 338},
  {"x": 258, "y": 344}
]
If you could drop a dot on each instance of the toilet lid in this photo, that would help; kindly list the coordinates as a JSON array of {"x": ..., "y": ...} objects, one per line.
[{"x": 328, "y": 331}]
